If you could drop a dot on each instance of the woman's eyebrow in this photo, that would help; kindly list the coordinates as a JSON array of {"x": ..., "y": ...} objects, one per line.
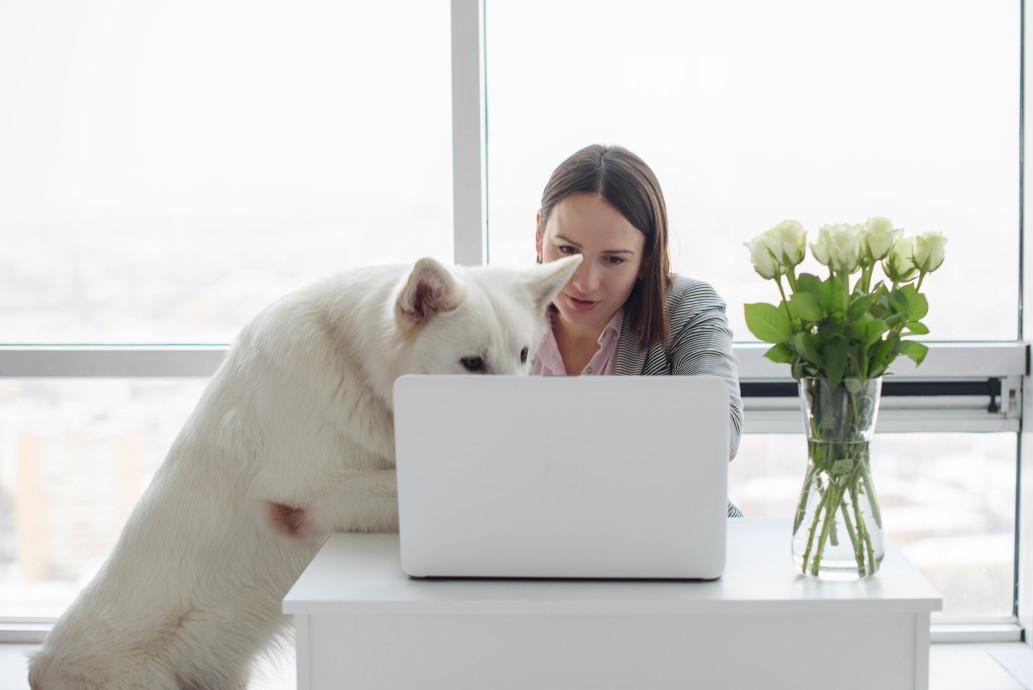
[{"x": 569, "y": 241}]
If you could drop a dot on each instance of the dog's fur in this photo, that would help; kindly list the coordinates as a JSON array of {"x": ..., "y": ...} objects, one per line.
[{"x": 291, "y": 440}]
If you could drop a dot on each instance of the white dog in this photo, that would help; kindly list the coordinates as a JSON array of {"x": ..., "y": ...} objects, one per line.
[{"x": 291, "y": 440}]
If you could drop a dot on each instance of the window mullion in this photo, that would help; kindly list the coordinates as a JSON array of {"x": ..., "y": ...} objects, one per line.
[{"x": 468, "y": 133}]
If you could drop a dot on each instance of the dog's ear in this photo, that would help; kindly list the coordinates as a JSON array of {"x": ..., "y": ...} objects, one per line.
[
  {"x": 430, "y": 290},
  {"x": 548, "y": 279}
]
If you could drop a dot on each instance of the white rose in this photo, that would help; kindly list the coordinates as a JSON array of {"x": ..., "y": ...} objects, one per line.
[
  {"x": 877, "y": 237},
  {"x": 899, "y": 264},
  {"x": 787, "y": 242},
  {"x": 763, "y": 260},
  {"x": 839, "y": 247},
  {"x": 929, "y": 251}
]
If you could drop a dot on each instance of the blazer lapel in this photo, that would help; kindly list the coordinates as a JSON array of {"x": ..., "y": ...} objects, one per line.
[{"x": 629, "y": 358}]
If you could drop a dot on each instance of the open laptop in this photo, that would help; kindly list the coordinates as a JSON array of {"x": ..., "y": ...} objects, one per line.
[{"x": 562, "y": 477}]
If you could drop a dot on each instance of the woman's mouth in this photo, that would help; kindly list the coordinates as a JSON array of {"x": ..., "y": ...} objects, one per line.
[{"x": 581, "y": 304}]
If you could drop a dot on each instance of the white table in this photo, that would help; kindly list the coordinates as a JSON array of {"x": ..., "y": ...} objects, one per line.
[{"x": 361, "y": 623}]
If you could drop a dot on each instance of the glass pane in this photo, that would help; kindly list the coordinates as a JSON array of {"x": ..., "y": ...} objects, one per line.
[
  {"x": 168, "y": 168},
  {"x": 752, "y": 112},
  {"x": 948, "y": 502},
  {"x": 75, "y": 456}
]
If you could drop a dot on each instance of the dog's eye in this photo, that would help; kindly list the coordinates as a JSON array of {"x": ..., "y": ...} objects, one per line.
[
  {"x": 523, "y": 356},
  {"x": 472, "y": 363}
]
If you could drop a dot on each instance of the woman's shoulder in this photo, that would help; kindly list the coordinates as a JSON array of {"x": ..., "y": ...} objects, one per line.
[
  {"x": 696, "y": 314},
  {"x": 685, "y": 292}
]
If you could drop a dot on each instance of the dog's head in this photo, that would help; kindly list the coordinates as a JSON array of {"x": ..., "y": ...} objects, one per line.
[{"x": 483, "y": 320}]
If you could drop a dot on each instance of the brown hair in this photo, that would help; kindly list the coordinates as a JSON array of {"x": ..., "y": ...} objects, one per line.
[{"x": 625, "y": 181}]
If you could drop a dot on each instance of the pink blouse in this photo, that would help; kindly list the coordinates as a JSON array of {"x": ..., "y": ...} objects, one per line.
[{"x": 549, "y": 362}]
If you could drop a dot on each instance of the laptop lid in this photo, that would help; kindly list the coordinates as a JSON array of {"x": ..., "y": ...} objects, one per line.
[{"x": 562, "y": 477}]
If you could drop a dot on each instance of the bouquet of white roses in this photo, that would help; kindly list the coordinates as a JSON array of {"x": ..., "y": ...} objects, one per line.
[
  {"x": 834, "y": 329},
  {"x": 839, "y": 335}
]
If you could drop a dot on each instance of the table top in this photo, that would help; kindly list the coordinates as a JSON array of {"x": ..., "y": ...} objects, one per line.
[{"x": 357, "y": 574}]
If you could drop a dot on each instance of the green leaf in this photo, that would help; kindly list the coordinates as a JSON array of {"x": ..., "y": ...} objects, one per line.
[
  {"x": 854, "y": 386},
  {"x": 892, "y": 319},
  {"x": 841, "y": 467},
  {"x": 857, "y": 360},
  {"x": 859, "y": 306},
  {"x": 805, "y": 305},
  {"x": 914, "y": 350},
  {"x": 900, "y": 301},
  {"x": 781, "y": 353},
  {"x": 873, "y": 331},
  {"x": 806, "y": 346},
  {"x": 808, "y": 282},
  {"x": 834, "y": 297},
  {"x": 856, "y": 330},
  {"x": 769, "y": 323},
  {"x": 917, "y": 307},
  {"x": 884, "y": 353},
  {"x": 832, "y": 328},
  {"x": 917, "y": 328},
  {"x": 835, "y": 360}
]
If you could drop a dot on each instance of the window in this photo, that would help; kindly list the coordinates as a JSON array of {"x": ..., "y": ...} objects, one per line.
[
  {"x": 751, "y": 113},
  {"x": 167, "y": 169},
  {"x": 76, "y": 456}
]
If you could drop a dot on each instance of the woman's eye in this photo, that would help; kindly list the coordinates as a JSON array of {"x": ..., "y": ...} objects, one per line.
[
  {"x": 523, "y": 356},
  {"x": 567, "y": 249},
  {"x": 472, "y": 363},
  {"x": 614, "y": 260}
]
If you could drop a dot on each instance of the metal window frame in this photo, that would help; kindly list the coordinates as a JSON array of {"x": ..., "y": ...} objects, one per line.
[
  {"x": 960, "y": 387},
  {"x": 975, "y": 387},
  {"x": 469, "y": 134}
]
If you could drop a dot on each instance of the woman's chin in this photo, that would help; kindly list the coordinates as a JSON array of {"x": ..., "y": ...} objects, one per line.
[{"x": 581, "y": 317}]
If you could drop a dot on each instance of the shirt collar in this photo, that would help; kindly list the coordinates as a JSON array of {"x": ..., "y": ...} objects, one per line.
[
  {"x": 549, "y": 361},
  {"x": 613, "y": 328}
]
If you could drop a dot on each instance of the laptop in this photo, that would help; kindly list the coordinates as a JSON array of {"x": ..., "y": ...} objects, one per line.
[{"x": 562, "y": 477}]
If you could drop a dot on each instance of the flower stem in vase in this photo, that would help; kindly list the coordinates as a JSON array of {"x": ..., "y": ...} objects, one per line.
[
  {"x": 864, "y": 546},
  {"x": 870, "y": 491},
  {"x": 836, "y": 531},
  {"x": 815, "y": 479},
  {"x": 830, "y": 500},
  {"x": 858, "y": 547},
  {"x": 801, "y": 507}
]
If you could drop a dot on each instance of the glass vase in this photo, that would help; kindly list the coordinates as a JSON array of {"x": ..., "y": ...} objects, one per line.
[{"x": 837, "y": 529}]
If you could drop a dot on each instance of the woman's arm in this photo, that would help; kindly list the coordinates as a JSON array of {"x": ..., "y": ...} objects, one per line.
[{"x": 701, "y": 343}]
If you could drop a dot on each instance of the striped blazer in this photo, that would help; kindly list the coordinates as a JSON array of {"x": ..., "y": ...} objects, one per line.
[{"x": 700, "y": 343}]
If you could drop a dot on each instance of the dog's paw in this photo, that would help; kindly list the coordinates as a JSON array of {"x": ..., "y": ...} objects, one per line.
[{"x": 290, "y": 521}]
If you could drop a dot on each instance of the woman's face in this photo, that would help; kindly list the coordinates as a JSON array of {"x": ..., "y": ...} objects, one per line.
[{"x": 612, "y": 247}]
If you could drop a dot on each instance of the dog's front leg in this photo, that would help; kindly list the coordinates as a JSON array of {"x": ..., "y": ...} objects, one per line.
[{"x": 347, "y": 502}]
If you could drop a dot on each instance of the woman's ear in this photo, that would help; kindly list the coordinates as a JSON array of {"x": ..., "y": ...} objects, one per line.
[{"x": 538, "y": 236}]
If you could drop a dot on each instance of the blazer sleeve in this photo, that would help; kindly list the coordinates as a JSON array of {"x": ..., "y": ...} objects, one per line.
[{"x": 701, "y": 343}]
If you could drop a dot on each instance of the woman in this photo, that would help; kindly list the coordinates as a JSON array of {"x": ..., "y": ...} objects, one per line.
[{"x": 623, "y": 312}]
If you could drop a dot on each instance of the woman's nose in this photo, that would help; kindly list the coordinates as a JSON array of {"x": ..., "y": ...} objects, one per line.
[{"x": 585, "y": 279}]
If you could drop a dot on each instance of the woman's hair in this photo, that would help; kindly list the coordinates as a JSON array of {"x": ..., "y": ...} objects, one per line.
[{"x": 626, "y": 182}]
